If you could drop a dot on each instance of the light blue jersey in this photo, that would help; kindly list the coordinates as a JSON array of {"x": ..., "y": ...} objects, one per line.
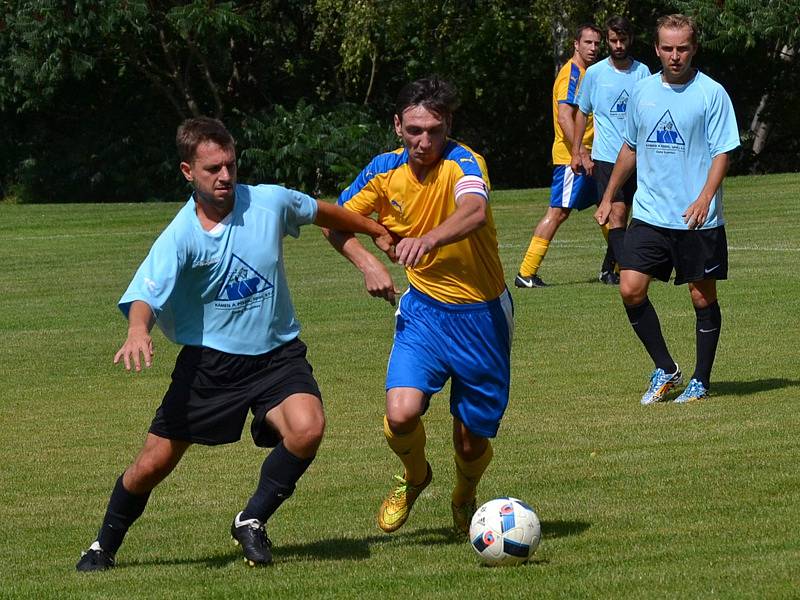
[
  {"x": 604, "y": 93},
  {"x": 676, "y": 131},
  {"x": 226, "y": 288}
]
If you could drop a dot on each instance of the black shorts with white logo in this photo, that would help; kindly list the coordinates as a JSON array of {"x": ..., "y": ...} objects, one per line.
[
  {"x": 602, "y": 175},
  {"x": 695, "y": 254},
  {"x": 212, "y": 391}
]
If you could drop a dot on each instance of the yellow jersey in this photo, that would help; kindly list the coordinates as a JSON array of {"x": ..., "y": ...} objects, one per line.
[
  {"x": 465, "y": 271},
  {"x": 565, "y": 89}
]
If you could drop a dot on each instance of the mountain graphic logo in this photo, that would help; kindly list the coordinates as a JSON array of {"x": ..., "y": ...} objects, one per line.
[
  {"x": 666, "y": 132},
  {"x": 620, "y": 105},
  {"x": 242, "y": 281}
]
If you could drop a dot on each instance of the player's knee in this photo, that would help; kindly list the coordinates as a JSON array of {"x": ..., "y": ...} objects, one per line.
[
  {"x": 401, "y": 420},
  {"x": 631, "y": 295},
  {"x": 470, "y": 448},
  {"x": 617, "y": 217},
  {"x": 147, "y": 472},
  {"x": 305, "y": 437}
]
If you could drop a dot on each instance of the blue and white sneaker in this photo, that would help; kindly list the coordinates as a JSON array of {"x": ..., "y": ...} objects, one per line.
[
  {"x": 660, "y": 385},
  {"x": 694, "y": 391}
]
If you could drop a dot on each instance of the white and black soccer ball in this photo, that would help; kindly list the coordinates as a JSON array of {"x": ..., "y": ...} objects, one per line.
[{"x": 505, "y": 531}]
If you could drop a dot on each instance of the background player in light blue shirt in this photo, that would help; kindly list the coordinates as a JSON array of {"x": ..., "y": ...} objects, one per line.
[
  {"x": 680, "y": 128},
  {"x": 604, "y": 93},
  {"x": 214, "y": 281}
]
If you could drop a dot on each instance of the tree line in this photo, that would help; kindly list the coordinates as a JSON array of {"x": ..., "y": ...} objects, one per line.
[{"x": 91, "y": 91}]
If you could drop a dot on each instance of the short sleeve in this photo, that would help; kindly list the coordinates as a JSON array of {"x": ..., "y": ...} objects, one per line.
[
  {"x": 721, "y": 127},
  {"x": 300, "y": 209},
  {"x": 584, "y": 96},
  {"x": 155, "y": 278}
]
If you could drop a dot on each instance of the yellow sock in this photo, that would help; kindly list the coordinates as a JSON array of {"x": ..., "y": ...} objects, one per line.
[
  {"x": 534, "y": 256},
  {"x": 605, "y": 229},
  {"x": 468, "y": 474},
  {"x": 410, "y": 449}
]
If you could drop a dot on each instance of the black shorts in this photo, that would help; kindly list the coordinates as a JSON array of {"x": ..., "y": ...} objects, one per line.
[
  {"x": 602, "y": 175},
  {"x": 695, "y": 254},
  {"x": 212, "y": 391}
]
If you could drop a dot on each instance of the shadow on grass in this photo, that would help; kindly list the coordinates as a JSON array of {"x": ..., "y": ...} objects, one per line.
[
  {"x": 557, "y": 529},
  {"x": 746, "y": 388},
  {"x": 327, "y": 549}
]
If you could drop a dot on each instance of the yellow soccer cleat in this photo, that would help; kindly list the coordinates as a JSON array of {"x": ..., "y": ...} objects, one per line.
[
  {"x": 396, "y": 507},
  {"x": 462, "y": 515}
]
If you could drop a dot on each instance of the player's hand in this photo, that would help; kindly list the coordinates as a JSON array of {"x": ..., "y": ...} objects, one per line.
[
  {"x": 588, "y": 165},
  {"x": 137, "y": 349},
  {"x": 696, "y": 214},
  {"x": 387, "y": 243},
  {"x": 602, "y": 212},
  {"x": 411, "y": 250},
  {"x": 379, "y": 282},
  {"x": 576, "y": 164}
]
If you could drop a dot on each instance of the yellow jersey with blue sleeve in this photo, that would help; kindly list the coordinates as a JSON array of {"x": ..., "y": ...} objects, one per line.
[
  {"x": 565, "y": 91},
  {"x": 463, "y": 272}
]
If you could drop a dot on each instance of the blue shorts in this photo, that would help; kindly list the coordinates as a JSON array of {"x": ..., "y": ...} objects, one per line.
[
  {"x": 572, "y": 191},
  {"x": 470, "y": 344}
]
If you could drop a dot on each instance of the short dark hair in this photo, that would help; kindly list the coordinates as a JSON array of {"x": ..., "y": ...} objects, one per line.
[
  {"x": 195, "y": 131},
  {"x": 432, "y": 93},
  {"x": 677, "y": 21},
  {"x": 619, "y": 25},
  {"x": 580, "y": 28}
]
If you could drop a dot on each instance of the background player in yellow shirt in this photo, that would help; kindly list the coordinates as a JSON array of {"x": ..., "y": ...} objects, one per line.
[
  {"x": 568, "y": 190},
  {"x": 455, "y": 321}
]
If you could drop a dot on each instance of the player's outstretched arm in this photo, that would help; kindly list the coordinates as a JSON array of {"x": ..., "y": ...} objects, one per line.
[
  {"x": 623, "y": 167},
  {"x": 697, "y": 212},
  {"x": 377, "y": 278},
  {"x": 331, "y": 216},
  {"x": 138, "y": 347}
]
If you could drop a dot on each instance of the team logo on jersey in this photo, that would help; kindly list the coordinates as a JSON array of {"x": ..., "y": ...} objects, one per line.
[
  {"x": 241, "y": 282},
  {"x": 620, "y": 105},
  {"x": 398, "y": 207},
  {"x": 666, "y": 134}
]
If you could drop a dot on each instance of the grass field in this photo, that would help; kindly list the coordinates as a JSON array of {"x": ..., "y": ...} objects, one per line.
[{"x": 667, "y": 501}]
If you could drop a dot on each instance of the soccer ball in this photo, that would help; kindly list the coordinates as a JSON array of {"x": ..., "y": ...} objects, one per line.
[{"x": 505, "y": 531}]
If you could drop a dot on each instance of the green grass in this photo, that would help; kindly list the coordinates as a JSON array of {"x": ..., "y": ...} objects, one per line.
[{"x": 666, "y": 501}]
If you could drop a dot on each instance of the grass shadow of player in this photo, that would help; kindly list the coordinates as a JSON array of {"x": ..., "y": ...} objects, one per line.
[
  {"x": 349, "y": 548},
  {"x": 747, "y": 388},
  {"x": 334, "y": 549},
  {"x": 557, "y": 529}
]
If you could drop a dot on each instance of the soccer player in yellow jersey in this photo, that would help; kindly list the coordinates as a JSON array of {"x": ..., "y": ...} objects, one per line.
[
  {"x": 455, "y": 321},
  {"x": 568, "y": 190}
]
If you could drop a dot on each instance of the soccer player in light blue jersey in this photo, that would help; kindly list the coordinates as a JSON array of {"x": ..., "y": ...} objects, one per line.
[
  {"x": 214, "y": 282},
  {"x": 604, "y": 94},
  {"x": 680, "y": 128}
]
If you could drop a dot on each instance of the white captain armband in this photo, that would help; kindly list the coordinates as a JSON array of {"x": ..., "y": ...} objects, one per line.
[{"x": 471, "y": 184}]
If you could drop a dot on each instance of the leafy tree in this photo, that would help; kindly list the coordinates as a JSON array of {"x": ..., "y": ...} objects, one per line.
[{"x": 760, "y": 40}]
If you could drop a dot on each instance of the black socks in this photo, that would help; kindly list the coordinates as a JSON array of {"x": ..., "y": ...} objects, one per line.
[
  {"x": 709, "y": 324},
  {"x": 123, "y": 509},
  {"x": 279, "y": 474},
  {"x": 645, "y": 323}
]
